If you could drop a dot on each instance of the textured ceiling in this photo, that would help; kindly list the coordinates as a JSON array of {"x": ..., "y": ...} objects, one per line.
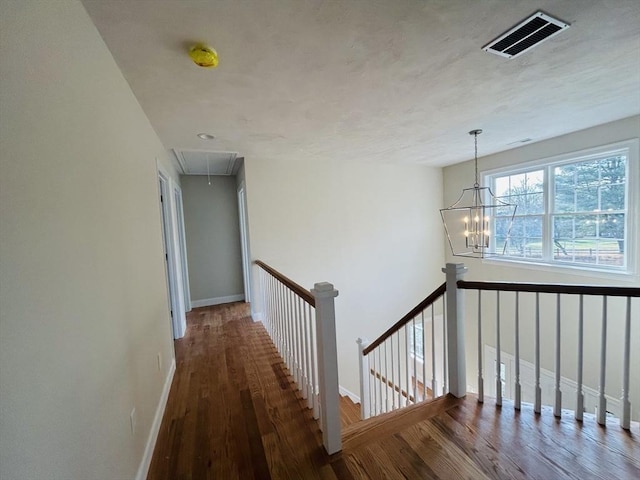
[{"x": 393, "y": 81}]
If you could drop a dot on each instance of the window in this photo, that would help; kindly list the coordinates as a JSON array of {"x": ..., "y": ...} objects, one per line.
[
  {"x": 573, "y": 211},
  {"x": 417, "y": 350}
]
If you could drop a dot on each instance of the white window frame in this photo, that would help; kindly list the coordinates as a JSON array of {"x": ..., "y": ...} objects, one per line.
[{"x": 632, "y": 194}]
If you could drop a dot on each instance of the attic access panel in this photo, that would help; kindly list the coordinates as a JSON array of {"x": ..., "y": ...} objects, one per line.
[
  {"x": 527, "y": 34},
  {"x": 199, "y": 162}
]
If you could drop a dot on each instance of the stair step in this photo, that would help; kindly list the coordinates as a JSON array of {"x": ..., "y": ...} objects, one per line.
[
  {"x": 365, "y": 431},
  {"x": 349, "y": 412}
]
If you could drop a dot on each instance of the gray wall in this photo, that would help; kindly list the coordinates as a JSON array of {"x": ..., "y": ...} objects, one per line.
[{"x": 213, "y": 237}]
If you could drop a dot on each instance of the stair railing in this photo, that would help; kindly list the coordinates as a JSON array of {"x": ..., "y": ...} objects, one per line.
[
  {"x": 302, "y": 326},
  {"x": 549, "y": 311},
  {"x": 420, "y": 357}
]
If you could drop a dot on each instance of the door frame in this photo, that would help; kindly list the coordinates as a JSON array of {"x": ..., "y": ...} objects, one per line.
[
  {"x": 182, "y": 246},
  {"x": 244, "y": 241},
  {"x": 171, "y": 247}
]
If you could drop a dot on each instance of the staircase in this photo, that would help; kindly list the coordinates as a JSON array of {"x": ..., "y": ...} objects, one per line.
[
  {"x": 417, "y": 419},
  {"x": 520, "y": 427}
]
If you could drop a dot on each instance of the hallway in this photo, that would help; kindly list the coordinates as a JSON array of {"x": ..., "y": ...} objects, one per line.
[{"x": 231, "y": 412}]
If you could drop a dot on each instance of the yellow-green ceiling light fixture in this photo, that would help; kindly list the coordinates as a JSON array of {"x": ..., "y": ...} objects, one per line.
[
  {"x": 478, "y": 224},
  {"x": 204, "y": 56}
]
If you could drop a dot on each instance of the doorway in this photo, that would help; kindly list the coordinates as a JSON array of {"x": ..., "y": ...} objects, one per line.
[{"x": 172, "y": 264}]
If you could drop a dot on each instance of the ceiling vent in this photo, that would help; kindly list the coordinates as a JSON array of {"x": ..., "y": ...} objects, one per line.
[
  {"x": 198, "y": 162},
  {"x": 526, "y": 35}
]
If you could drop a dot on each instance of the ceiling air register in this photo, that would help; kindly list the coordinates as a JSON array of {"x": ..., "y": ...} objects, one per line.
[{"x": 526, "y": 35}]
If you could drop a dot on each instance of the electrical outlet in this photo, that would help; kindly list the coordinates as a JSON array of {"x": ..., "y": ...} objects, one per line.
[
  {"x": 133, "y": 421},
  {"x": 159, "y": 362}
]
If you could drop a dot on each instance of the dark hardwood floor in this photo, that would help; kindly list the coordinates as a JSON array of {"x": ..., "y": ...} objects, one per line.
[{"x": 233, "y": 414}]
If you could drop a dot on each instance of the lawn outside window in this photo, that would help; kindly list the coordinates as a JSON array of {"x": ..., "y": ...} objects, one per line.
[{"x": 576, "y": 211}]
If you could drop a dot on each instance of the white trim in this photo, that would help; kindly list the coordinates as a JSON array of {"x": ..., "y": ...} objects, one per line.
[
  {"x": 206, "y": 302},
  {"x": 182, "y": 245},
  {"x": 143, "y": 469},
  {"x": 257, "y": 316},
  {"x": 171, "y": 244},
  {"x": 244, "y": 239},
  {"x": 347, "y": 393}
]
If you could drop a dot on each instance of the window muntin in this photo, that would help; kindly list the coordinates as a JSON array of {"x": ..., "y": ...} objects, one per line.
[{"x": 573, "y": 212}]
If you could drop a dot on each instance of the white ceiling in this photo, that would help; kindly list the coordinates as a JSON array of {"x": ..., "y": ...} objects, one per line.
[{"x": 393, "y": 81}]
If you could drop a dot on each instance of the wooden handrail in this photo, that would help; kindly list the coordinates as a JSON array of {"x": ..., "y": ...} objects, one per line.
[
  {"x": 290, "y": 284},
  {"x": 551, "y": 288},
  {"x": 437, "y": 293}
]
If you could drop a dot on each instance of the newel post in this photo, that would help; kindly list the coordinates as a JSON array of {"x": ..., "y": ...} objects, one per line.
[
  {"x": 455, "y": 330},
  {"x": 365, "y": 407},
  {"x": 324, "y": 294}
]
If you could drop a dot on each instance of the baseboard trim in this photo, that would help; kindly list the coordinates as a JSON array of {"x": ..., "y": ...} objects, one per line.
[
  {"x": 207, "y": 302},
  {"x": 143, "y": 469},
  {"x": 346, "y": 393},
  {"x": 257, "y": 316}
]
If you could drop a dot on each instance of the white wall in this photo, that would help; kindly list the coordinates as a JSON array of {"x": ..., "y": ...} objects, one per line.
[
  {"x": 212, "y": 229},
  {"x": 83, "y": 302},
  {"x": 371, "y": 230},
  {"x": 459, "y": 176}
]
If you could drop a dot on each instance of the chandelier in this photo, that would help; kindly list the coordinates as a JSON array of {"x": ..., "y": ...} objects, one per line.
[{"x": 478, "y": 224}]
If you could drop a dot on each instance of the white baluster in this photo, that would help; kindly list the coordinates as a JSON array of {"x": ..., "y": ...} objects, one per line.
[
  {"x": 300, "y": 367},
  {"x": 415, "y": 369},
  {"x": 602, "y": 401},
  {"x": 399, "y": 385},
  {"x": 372, "y": 386},
  {"x": 625, "y": 421},
  {"x": 365, "y": 375},
  {"x": 290, "y": 331},
  {"x": 393, "y": 376},
  {"x": 424, "y": 360},
  {"x": 294, "y": 337},
  {"x": 278, "y": 312},
  {"x": 518, "y": 389},
  {"x": 379, "y": 358},
  {"x": 498, "y": 352},
  {"x": 480, "y": 346},
  {"x": 579, "y": 392},
  {"x": 386, "y": 378},
  {"x": 445, "y": 349},
  {"x": 274, "y": 327},
  {"x": 314, "y": 361},
  {"x": 272, "y": 312},
  {"x": 407, "y": 359},
  {"x": 537, "y": 406},
  {"x": 305, "y": 350},
  {"x": 557, "y": 407},
  {"x": 307, "y": 336},
  {"x": 374, "y": 390},
  {"x": 434, "y": 382}
]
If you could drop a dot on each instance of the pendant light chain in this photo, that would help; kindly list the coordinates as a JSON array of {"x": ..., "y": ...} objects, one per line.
[{"x": 475, "y": 135}]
